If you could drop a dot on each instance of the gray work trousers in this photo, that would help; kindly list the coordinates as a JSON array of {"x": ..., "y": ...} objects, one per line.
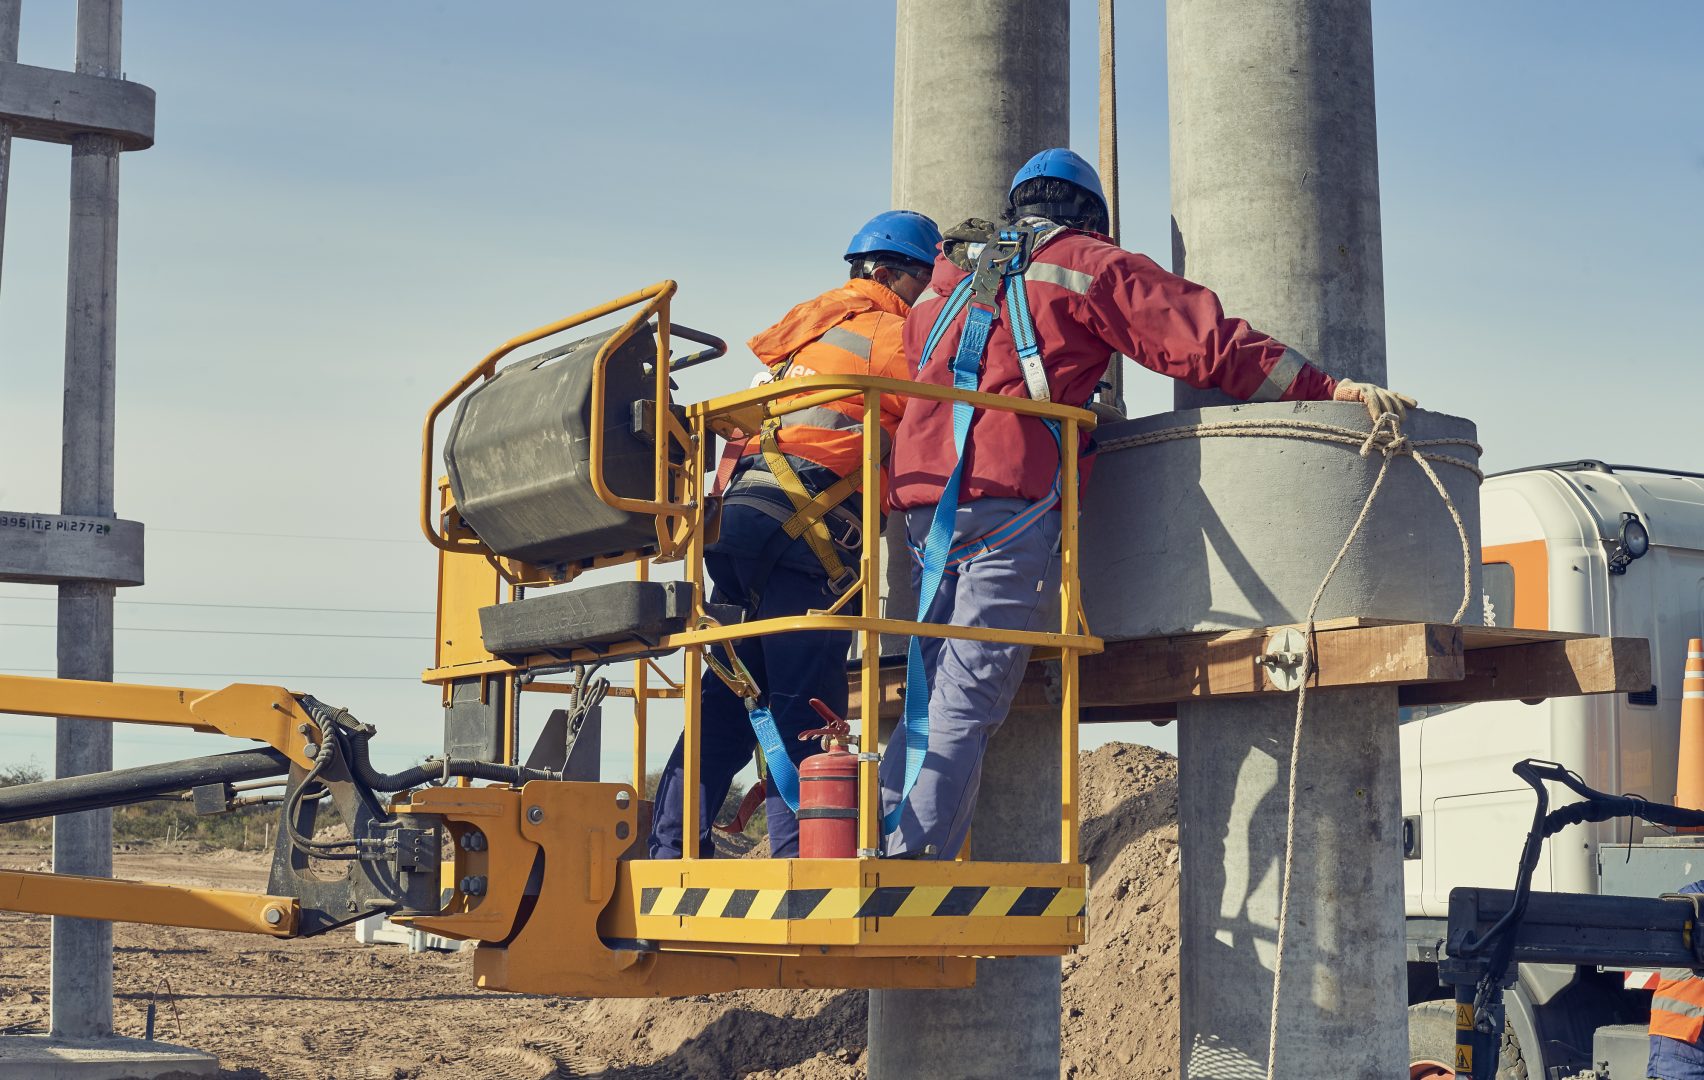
[{"x": 971, "y": 683}]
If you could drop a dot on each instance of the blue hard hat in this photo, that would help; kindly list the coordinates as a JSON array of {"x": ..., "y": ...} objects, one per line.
[
  {"x": 903, "y": 232},
  {"x": 1061, "y": 164}
]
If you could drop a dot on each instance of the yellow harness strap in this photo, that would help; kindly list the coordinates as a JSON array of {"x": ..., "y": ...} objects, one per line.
[{"x": 808, "y": 512}]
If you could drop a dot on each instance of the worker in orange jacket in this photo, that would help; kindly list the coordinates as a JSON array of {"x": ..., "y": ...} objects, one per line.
[
  {"x": 1677, "y": 1022},
  {"x": 791, "y": 528}
]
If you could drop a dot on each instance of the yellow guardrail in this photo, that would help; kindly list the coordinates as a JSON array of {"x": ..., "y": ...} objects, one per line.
[{"x": 679, "y": 503}]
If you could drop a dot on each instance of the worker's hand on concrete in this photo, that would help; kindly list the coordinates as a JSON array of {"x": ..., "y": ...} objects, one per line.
[{"x": 1377, "y": 399}]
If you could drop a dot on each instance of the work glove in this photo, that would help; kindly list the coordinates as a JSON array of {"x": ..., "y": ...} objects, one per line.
[{"x": 1377, "y": 399}]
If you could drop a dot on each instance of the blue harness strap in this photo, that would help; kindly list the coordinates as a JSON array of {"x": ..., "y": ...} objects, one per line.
[
  {"x": 966, "y": 371},
  {"x": 783, "y": 774}
]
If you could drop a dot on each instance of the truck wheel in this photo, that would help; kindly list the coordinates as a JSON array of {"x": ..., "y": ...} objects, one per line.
[{"x": 1431, "y": 1045}]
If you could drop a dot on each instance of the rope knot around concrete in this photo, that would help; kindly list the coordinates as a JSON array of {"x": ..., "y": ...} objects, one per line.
[{"x": 1386, "y": 437}]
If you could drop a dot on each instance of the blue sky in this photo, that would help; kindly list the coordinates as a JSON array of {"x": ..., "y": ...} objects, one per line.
[{"x": 349, "y": 204}]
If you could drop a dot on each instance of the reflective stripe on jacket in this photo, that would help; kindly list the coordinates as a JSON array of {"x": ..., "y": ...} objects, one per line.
[
  {"x": 1089, "y": 299},
  {"x": 1677, "y": 1021},
  {"x": 1677, "y": 1006},
  {"x": 855, "y": 329}
]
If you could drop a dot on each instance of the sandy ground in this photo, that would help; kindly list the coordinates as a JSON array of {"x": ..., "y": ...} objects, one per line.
[{"x": 331, "y": 1009}]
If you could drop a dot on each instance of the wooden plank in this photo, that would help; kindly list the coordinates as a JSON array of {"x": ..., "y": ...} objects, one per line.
[
  {"x": 1494, "y": 637},
  {"x": 1543, "y": 669},
  {"x": 1433, "y": 663},
  {"x": 892, "y": 698},
  {"x": 1128, "y": 714},
  {"x": 1150, "y": 671}
]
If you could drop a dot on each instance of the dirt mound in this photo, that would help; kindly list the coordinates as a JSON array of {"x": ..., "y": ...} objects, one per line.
[{"x": 1120, "y": 1001}]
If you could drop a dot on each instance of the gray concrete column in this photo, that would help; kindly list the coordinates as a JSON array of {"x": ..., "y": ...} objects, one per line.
[
  {"x": 1275, "y": 173},
  {"x": 1344, "y": 979},
  {"x": 82, "y": 843},
  {"x": 980, "y": 86},
  {"x": 10, "y": 14},
  {"x": 1007, "y": 1025},
  {"x": 1275, "y": 206}
]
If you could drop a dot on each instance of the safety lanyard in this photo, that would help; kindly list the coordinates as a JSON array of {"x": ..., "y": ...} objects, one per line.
[
  {"x": 783, "y": 774},
  {"x": 1002, "y": 262}
]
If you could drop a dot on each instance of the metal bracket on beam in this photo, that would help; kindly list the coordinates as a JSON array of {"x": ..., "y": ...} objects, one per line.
[
  {"x": 55, "y": 106},
  {"x": 50, "y": 549}
]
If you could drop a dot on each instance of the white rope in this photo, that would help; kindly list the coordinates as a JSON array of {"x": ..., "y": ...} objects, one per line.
[
  {"x": 1392, "y": 443},
  {"x": 1385, "y": 437}
]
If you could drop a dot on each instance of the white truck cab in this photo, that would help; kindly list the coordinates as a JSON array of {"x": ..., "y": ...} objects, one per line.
[{"x": 1587, "y": 547}]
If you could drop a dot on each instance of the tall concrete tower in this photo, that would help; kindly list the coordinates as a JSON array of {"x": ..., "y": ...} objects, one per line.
[
  {"x": 1275, "y": 205},
  {"x": 979, "y": 87}
]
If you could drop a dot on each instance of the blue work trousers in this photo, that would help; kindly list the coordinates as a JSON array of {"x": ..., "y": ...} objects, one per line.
[
  {"x": 790, "y": 668},
  {"x": 971, "y": 683}
]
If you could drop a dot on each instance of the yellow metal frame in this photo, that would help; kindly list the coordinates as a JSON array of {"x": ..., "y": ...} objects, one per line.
[
  {"x": 270, "y": 714},
  {"x": 732, "y": 416},
  {"x": 743, "y": 411},
  {"x": 146, "y": 902}
]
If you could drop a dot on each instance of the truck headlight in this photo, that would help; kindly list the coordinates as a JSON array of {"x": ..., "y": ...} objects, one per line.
[{"x": 1633, "y": 543}]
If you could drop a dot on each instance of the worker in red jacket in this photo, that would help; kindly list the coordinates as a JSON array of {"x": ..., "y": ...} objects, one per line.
[{"x": 1036, "y": 308}]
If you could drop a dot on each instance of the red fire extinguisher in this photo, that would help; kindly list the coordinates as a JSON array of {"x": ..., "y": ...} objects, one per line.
[{"x": 828, "y": 791}]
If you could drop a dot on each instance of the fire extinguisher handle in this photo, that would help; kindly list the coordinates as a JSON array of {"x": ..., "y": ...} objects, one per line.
[{"x": 834, "y": 728}]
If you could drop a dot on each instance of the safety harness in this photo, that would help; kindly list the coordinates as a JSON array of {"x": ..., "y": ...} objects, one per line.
[
  {"x": 1001, "y": 262},
  {"x": 808, "y": 510},
  {"x": 809, "y": 522}
]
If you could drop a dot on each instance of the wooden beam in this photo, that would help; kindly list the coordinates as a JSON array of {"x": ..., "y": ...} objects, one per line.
[
  {"x": 1543, "y": 669},
  {"x": 1153, "y": 671},
  {"x": 1432, "y": 664}
]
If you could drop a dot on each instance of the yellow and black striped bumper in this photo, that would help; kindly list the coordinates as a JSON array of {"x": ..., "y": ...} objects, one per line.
[{"x": 856, "y": 906}]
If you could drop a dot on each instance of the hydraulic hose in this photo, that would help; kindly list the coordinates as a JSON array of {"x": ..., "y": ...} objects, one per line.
[
  {"x": 361, "y": 768},
  {"x": 96, "y": 791}
]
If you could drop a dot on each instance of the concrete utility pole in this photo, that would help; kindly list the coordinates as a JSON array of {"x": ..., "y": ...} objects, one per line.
[
  {"x": 1275, "y": 173},
  {"x": 11, "y": 14},
  {"x": 979, "y": 87},
  {"x": 82, "y": 843},
  {"x": 1275, "y": 205},
  {"x": 85, "y": 550}
]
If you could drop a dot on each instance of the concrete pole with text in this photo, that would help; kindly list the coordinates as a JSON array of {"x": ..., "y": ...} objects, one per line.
[{"x": 82, "y": 843}]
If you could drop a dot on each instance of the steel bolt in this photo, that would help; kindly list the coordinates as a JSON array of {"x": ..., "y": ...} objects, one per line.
[
  {"x": 472, "y": 885},
  {"x": 473, "y": 841},
  {"x": 311, "y": 750},
  {"x": 304, "y": 729},
  {"x": 273, "y": 915},
  {"x": 622, "y": 799},
  {"x": 535, "y": 814}
]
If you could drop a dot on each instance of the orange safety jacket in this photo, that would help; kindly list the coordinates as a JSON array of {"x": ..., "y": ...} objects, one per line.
[
  {"x": 1677, "y": 1006},
  {"x": 853, "y": 329}
]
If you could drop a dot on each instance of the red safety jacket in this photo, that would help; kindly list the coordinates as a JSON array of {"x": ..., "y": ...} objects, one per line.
[{"x": 1089, "y": 299}]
